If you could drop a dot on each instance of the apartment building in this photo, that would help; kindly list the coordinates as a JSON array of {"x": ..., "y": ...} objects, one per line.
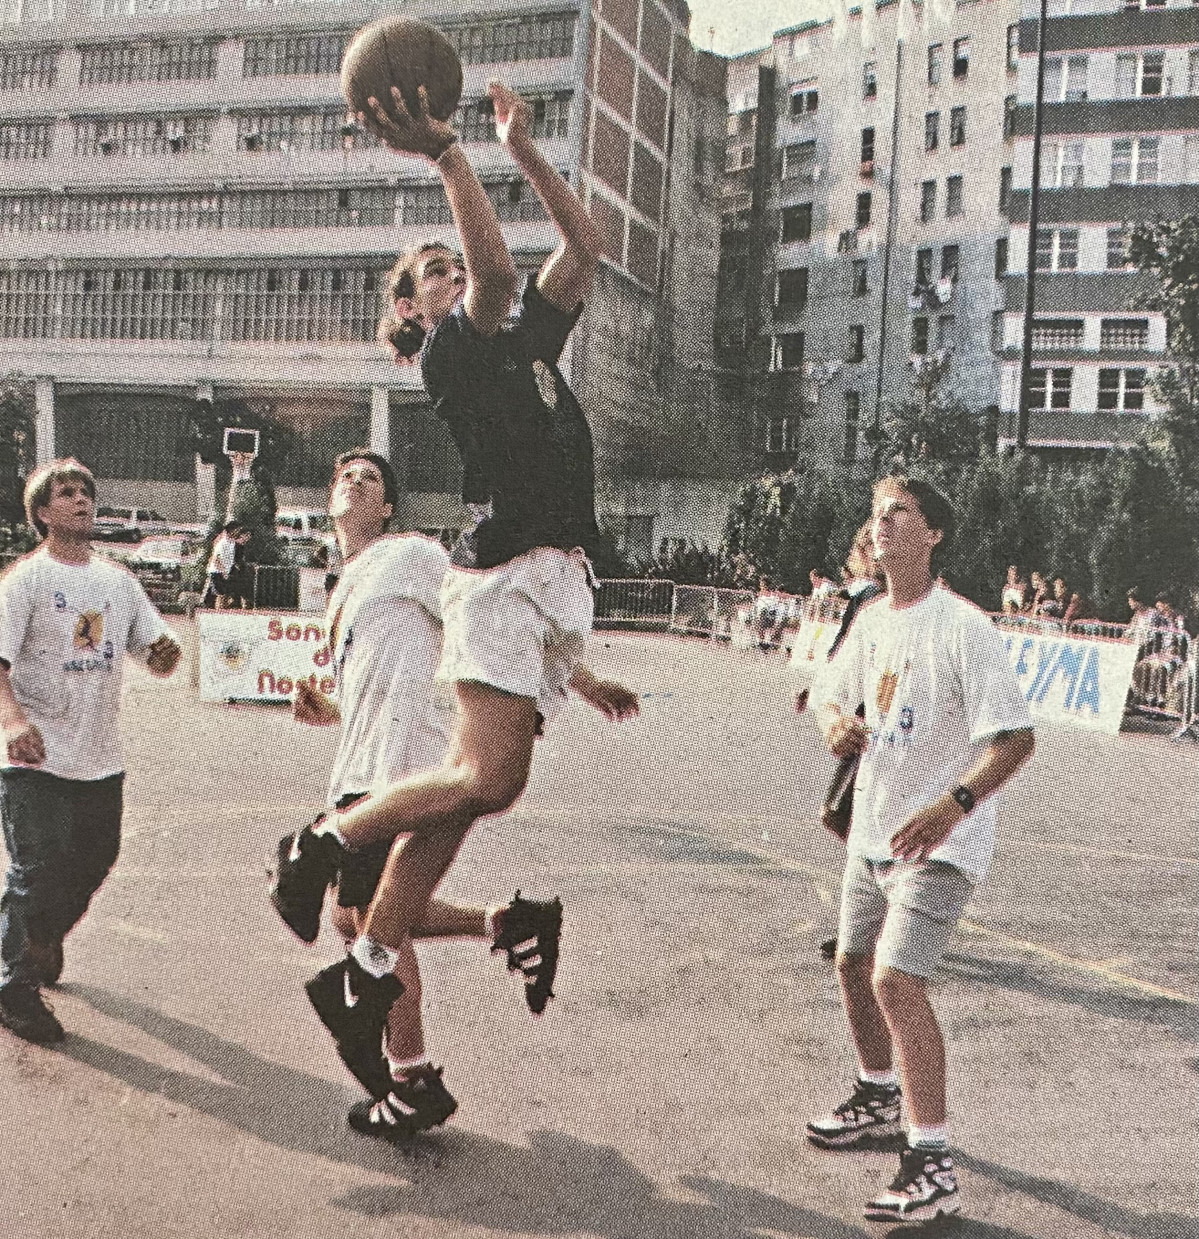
[
  {"x": 1120, "y": 144},
  {"x": 864, "y": 230},
  {"x": 188, "y": 214}
]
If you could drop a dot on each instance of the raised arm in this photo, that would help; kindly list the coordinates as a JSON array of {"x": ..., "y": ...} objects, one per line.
[
  {"x": 490, "y": 271},
  {"x": 568, "y": 273}
]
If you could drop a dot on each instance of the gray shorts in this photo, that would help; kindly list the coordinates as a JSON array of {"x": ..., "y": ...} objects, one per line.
[{"x": 901, "y": 912}]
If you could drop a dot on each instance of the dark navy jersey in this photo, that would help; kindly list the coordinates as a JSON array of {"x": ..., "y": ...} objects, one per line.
[{"x": 525, "y": 443}]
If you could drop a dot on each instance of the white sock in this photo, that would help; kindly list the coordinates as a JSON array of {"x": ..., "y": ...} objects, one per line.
[
  {"x": 330, "y": 827},
  {"x": 401, "y": 1066},
  {"x": 929, "y": 1137},
  {"x": 887, "y": 1079},
  {"x": 374, "y": 957}
]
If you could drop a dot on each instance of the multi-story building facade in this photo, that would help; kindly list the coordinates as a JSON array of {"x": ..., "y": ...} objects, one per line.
[
  {"x": 1120, "y": 144},
  {"x": 863, "y": 229},
  {"x": 187, "y": 214}
]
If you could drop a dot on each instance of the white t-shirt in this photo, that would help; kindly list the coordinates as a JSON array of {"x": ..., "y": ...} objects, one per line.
[
  {"x": 224, "y": 552},
  {"x": 938, "y": 686},
  {"x": 64, "y": 631},
  {"x": 384, "y": 619}
]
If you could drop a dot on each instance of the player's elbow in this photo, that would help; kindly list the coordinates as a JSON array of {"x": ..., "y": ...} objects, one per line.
[{"x": 497, "y": 282}]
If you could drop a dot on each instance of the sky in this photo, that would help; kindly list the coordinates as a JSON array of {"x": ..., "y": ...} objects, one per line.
[{"x": 741, "y": 25}]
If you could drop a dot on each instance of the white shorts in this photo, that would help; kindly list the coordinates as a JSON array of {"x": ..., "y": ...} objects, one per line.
[{"x": 521, "y": 627}]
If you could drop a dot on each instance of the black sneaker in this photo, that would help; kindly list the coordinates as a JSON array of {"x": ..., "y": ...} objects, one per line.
[
  {"x": 307, "y": 866},
  {"x": 828, "y": 948},
  {"x": 871, "y": 1114},
  {"x": 412, "y": 1104},
  {"x": 23, "y": 1012},
  {"x": 353, "y": 1006},
  {"x": 925, "y": 1187},
  {"x": 530, "y": 930}
]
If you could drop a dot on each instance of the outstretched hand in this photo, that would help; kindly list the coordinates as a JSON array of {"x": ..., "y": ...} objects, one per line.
[
  {"x": 610, "y": 698},
  {"x": 421, "y": 134},
  {"x": 312, "y": 706},
  {"x": 513, "y": 116}
]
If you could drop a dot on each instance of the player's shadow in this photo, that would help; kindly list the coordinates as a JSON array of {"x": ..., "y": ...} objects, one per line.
[
  {"x": 1111, "y": 1217},
  {"x": 556, "y": 1184},
  {"x": 1026, "y": 978}
]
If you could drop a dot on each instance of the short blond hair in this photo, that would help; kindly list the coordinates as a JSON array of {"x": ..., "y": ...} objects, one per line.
[{"x": 40, "y": 486}]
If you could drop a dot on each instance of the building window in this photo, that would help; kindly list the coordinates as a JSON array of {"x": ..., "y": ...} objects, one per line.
[
  {"x": 29, "y": 68},
  {"x": 953, "y": 196},
  {"x": 799, "y": 160},
  {"x": 935, "y": 53},
  {"x": 297, "y": 55},
  {"x": 1117, "y": 249},
  {"x": 25, "y": 140},
  {"x": 1057, "y": 249},
  {"x": 527, "y": 38},
  {"x": 1013, "y": 47},
  {"x": 870, "y": 80},
  {"x": 782, "y": 434},
  {"x": 924, "y": 268},
  {"x": 299, "y": 131},
  {"x": 859, "y": 278},
  {"x": 796, "y": 223},
  {"x": 868, "y": 144},
  {"x": 946, "y": 331},
  {"x": 957, "y": 127},
  {"x": 1122, "y": 389},
  {"x": 1130, "y": 334},
  {"x": 1061, "y": 164},
  {"x": 1050, "y": 389},
  {"x": 1057, "y": 333},
  {"x": 1193, "y": 72},
  {"x": 961, "y": 56},
  {"x": 142, "y": 136},
  {"x": 1066, "y": 79},
  {"x": 788, "y": 351},
  {"x": 919, "y": 336},
  {"x": 928, "y": 201},
  {"x": 997, "y": 320},
  {"x": 1135, "y": 161},
  {"x": 862, "y": 215},
  {"x": 792, "y": 289},
  {"x": 950, "y": 257},
  {"x": 932, "y": 130},
  {"x": 1139, "y": 75},
  {"x": 1009, "y": 117},
  {"x": 804, "y": 102},
  {"x": 1001, "y": 251},
  {"x": 857, "y": 343},
  {"x": 186, "y": 60},
  {"x": 852, "y": 415},
  {"x": 1005, "y": 189}
]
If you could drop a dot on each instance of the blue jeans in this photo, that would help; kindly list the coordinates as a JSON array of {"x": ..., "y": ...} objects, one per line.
[{"x": 62, "y": 836}]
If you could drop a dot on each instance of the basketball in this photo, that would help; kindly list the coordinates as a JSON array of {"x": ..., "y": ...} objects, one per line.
[{"x": 403, "y": 52}]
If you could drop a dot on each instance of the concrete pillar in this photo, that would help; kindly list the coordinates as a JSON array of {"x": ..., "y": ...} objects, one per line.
[
  {"x": 381, "y": 422},
  {"x": 44, "y": 420}
]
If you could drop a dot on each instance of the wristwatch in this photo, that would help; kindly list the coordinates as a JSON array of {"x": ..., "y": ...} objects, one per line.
[{"x": 964, "y": 796}]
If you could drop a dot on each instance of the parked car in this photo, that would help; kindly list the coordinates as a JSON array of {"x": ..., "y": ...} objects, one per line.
[
  {"x": 121, "y": 524},
  {"x": 164, "y": 556},
  {"x": 293, "y": 523}
]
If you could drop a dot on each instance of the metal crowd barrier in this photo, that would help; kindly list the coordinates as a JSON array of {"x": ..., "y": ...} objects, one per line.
[{"x": 635, "y": 603}]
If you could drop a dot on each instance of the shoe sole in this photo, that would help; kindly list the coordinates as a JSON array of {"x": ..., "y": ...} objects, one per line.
[
  {"x": 360, "y": 1121},
  {"x": 49, "y": 1036},
  {"x": 916, "y": 1217},
  {"x": 854, "y": 1140},
  {"x": 305, "y": 927}
]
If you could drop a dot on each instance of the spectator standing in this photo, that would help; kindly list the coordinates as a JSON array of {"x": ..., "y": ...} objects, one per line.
[
  {"x": 1014, "y": 589},
  {"x": 220, "y": 565}
]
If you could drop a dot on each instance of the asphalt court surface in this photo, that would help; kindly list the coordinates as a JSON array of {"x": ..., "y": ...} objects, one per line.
[{"x": 663, "y": 1094}]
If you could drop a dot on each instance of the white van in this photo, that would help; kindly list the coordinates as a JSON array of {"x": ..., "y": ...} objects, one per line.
[{"x": 302, "y": 523}]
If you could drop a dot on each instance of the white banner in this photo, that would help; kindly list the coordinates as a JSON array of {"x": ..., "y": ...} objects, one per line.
[
  {"x": 1073, "y": 680},
  {"x": 260, "y": 655}
]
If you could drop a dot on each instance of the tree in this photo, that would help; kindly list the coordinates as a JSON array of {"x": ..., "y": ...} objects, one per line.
[{"x": 16, "y": 445}]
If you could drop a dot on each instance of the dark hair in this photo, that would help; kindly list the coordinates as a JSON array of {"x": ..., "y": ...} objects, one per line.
[
  {"x": 230, "y": 527},
  {"x": 934, "y": 507},
  {"x": 404, "y": 336},
  {"x": 391, "y": 488},
  {"x": 40, "y": 486}
]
